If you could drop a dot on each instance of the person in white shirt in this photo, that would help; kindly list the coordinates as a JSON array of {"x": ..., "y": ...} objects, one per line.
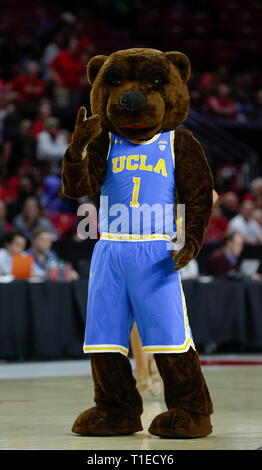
[
  {"x": 14, "y": 244},
  {"x": 51, "y": 143},
  {"x": 257, "y": 215},
  {"x": 246, "y": 225}
]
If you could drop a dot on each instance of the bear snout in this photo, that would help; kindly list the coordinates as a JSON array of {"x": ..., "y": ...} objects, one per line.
[{"x": 132, "y": 100}]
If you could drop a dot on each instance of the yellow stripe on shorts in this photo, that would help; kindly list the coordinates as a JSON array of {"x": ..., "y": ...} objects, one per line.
[{"x": 105, "y": 348}]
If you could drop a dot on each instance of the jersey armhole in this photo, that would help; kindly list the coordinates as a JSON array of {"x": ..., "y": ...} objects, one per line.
[{"x": 172, "y": 139}]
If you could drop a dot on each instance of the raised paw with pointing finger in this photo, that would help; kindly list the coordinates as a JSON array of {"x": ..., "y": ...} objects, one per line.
[{"x": 86, "y": 130}]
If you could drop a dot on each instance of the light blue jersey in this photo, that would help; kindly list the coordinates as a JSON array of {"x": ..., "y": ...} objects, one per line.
[{"x": 138, "y": 192}]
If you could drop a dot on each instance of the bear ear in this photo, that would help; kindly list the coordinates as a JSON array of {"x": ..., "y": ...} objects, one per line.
[
  {"x": 93, "y": 67},
  {"x": 182, "y": 62}
]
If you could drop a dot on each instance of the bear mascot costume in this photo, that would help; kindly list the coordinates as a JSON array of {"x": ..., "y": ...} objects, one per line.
[{"x": 130, "y": 151}]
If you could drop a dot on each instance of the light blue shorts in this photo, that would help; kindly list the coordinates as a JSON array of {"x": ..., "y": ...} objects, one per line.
[{"x": 134, "y": 281}]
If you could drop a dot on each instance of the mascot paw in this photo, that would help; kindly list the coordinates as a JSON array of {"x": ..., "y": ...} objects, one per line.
[
  {"x": 100, "y": 422},
  {"x": 183, "y": 256},
  {"x": 180, "y": 423},
  {"x": 85, "y": 131}
]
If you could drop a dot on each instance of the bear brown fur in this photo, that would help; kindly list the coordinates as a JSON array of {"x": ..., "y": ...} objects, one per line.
[{"x": 137, "y": 93}]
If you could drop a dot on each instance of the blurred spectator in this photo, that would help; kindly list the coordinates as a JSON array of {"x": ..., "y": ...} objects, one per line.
[
  {"x": 51, "y": 144},
  {"x": 227, "y": 177},
  {"x": 207, "y": 82},
  {"x": 10, "y": 188},
  {"x": 240, "y": 93},
  {"x": 2, "y": 192},
  {"x": 12, "y": 117},
  {"x": 226, "y": 259},
  {"x": 84, "y": 40},
  {"x": 44, "y": 112},
  {"x": 229, "y": 204},
  {"x": 257, "y": 216},
  {"x": 4, "y": 90},
  {"x": 41, "y": 26},
  {"x": 28, "y": 87},
  {"x": 245, "y": 225},
  {"x": 221, "y": 104},
  {"x": 53, "y": 200},
  {"x": 217, "y": 226},
  {"x": 31, "y": 217},
  {"x": 52, "y": 49},
  {"x": 18, "y": 145},
  {"x": 27, "y": 140},
  {"x": 4, "y": 225},
  {"x": 256, "y": 186},
  {"x": 45, "y": 257},
  {"x": 67, "y": 71},
  {"x": 26, "y": 188},
  {"x": 14, "y": 244},
  {"x": 257, "y": 200}
]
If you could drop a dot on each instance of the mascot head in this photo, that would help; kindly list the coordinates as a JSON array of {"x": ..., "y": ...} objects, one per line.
[{"x": 139, "y": 92}]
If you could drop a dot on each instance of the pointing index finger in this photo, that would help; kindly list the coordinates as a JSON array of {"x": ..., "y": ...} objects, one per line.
[{"x": 81, "y": 115}]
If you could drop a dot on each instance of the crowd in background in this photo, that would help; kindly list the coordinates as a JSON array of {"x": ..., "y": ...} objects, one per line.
[
  {"x": 43, "y": 82},
  {"x": 35, "y": 262}
]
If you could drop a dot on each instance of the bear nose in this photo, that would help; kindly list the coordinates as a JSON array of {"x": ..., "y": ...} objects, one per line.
[{"x": 132, "y": 100}]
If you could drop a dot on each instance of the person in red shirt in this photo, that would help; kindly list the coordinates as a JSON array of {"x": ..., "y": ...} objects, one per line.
[
  {"x": 217, "y": 226},
  {"x": 44, "y": 112},
  {"x": 85, "y": 41},
  {"x": 28, "y": 87},
  {"x": 67, "y": 71},
  {"x": 4, "y": 90},
  {"x": 222, "y": 104},
  {"x": 5, "y": 226}
]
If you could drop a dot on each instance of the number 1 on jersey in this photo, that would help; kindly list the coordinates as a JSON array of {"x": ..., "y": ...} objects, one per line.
[{"x": 134, "y": 202}]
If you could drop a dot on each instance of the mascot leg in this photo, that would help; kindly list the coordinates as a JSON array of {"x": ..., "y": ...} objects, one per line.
[
  {"x": 186, "y": 395},
  {"x": 118, "y": 403}
]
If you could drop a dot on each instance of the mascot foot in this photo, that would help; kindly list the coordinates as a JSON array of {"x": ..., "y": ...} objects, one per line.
[
  {"x": 118, "y": 403},
  {"x": 99, "y": 422},
  {"x": 178, "y": 423}
]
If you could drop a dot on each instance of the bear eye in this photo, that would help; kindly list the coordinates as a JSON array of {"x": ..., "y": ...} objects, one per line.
[
  {"x": 156, "y": 81},
  {"x": 113, "y": 76},
  {"x": 157, "y": 75}
]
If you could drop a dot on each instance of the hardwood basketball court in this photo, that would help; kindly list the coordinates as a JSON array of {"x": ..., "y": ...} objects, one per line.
[{"x": 40, "y": 401}]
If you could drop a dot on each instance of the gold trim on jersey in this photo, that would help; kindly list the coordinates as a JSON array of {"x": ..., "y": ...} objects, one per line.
[
  {"x": 172, "y": 142},
  {"x": 110, "y": 144},
  {"x": 155, "y": 137},
  {"x": 145, "y": 142},
  {"x": 133, "y": 237}
]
